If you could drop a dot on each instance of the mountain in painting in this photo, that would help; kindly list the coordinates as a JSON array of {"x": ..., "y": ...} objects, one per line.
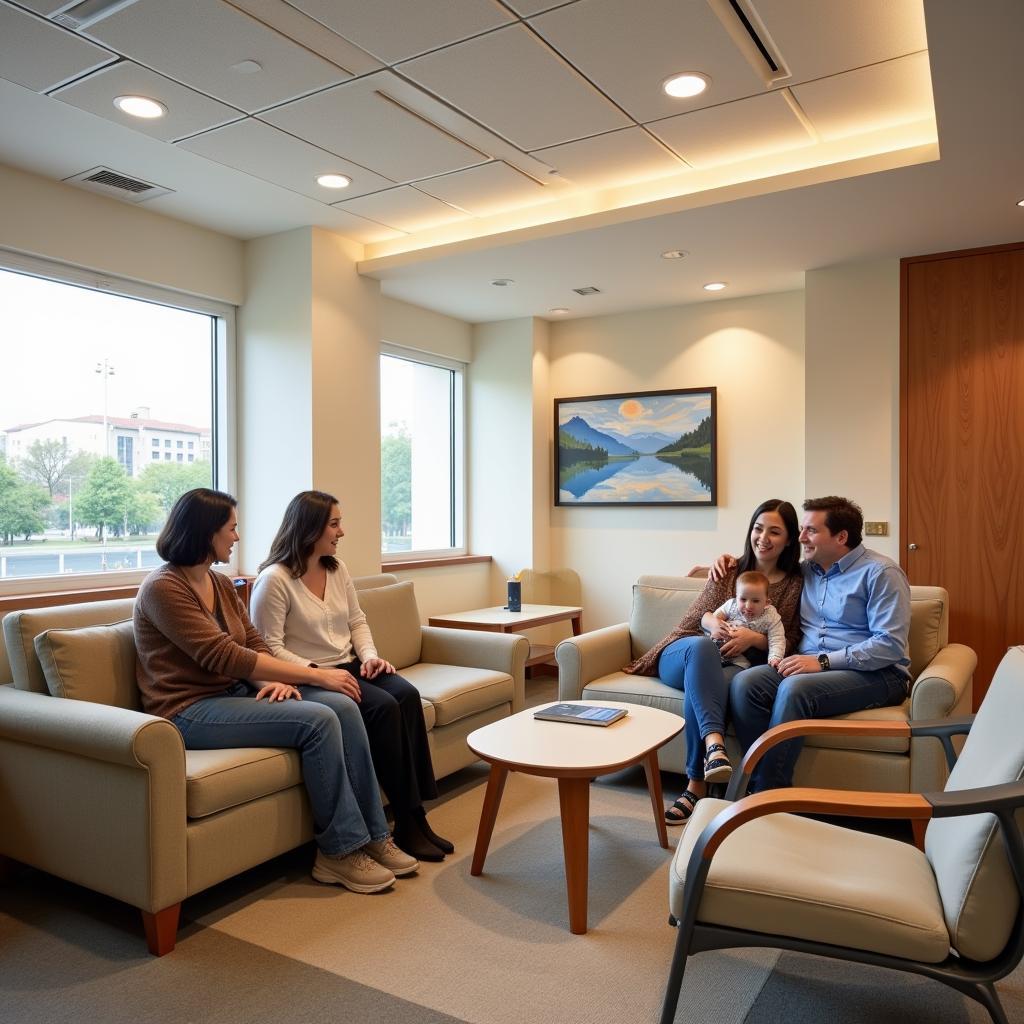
[
  {"x": 580, "y": 429},
  {"x": 645, "y": 444}
]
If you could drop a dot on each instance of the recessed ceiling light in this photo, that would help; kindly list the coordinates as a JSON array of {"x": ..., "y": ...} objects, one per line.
[
  {"x": 714, "y": 286},
  {"x": 689, "y": 83},
  {"x": 502, "y": 282},
  {"x": 140, "y": 106},
  {"x": 247, "y": 67},
  {"x": 1020, "y": 202},
  {"x": 674, "y": 254},
  {"x": 334, "y": 181},
  {"x": 558, "y": 310}
]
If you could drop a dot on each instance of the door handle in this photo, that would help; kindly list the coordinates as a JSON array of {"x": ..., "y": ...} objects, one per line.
[{"x": 911, "y": 547}]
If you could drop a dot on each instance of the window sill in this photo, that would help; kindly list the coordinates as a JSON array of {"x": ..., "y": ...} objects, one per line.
[
  {"x": 55, "y": 598},
  {"x": 433, "y": 563}
]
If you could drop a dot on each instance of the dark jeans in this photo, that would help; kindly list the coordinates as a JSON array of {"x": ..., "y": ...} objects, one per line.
[
  {"x": 393, "y": 716},
  {"x": 760, "y": 698}
]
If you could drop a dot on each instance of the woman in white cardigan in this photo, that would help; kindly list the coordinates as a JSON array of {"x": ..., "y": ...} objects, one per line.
[{"x": 304, "y": 604}]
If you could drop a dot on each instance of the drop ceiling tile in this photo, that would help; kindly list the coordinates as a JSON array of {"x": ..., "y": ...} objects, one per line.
[
  {"x": 268, "y": 153},
  {"x": 830, "y": 36},
  {"x": 734, "y": 131},
  {"x": 511, "y": 82},
  {"x": 616, "y": 158},
  {"x": 881, "y": 96},
  {"x": 198, "y": 41},
  {"x": 361, "y": 229},
  {"x": 38, "y": 55},
  {"x": 43, "y": 7},
  {"x": 404, "y": 209},
  {"x": 188, "y": 111},
  {"x": 492, "y": 188},
  {"x": 665, "y": 37},
  {"x": 525, "y": 8},
  {"x": 396, "y": 29},
  {"x": 358, "y": 121}
]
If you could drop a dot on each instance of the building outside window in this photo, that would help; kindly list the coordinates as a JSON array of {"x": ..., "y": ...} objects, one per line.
[
  {"x": 84, "y": 385},
  {"x": 422, "y": 463}
]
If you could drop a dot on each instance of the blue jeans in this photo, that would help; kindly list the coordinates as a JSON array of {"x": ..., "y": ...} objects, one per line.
[
  {"x": 326, "y": 729},
  {"x": 693, "y": 664},
  {"x": 760, "y": 698}
]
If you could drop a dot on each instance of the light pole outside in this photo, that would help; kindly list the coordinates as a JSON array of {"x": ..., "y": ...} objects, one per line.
[{"x": 106, "y": 371}]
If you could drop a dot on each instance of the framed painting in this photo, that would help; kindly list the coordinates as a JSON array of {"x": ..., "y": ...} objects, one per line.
[{"x": 637, "y": 448}]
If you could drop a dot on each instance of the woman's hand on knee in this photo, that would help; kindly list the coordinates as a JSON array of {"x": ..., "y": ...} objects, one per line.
[
  {"x": 278, "y": 691},
  {"x": 373, "y": 667},
  {"x": 341, "y": 681}
]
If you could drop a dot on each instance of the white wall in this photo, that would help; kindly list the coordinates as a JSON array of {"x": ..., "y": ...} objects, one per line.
[
  {"x": 853, "y": 401},
  {"x": 425, "y": 330},
  {"x": 752, "y": 350},
  {"x": 60, "y": 222}
]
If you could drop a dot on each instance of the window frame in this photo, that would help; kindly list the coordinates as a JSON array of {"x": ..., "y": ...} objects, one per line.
[
  {"x": 457, "y": 452},
  {"x": 224, "y": 439}
]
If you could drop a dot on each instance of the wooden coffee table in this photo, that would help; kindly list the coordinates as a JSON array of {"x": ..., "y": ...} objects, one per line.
[{"x": 572, "y": 754}]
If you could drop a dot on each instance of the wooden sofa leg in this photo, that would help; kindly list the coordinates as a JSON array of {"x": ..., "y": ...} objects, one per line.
[
  {"x": 919, "y": 829},
  {"x": 161, "y": 929}
]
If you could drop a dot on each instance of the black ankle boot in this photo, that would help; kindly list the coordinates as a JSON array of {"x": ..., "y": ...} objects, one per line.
[
  {"x": 424, "y": 826},
  {"x": 414, "y": 841}
]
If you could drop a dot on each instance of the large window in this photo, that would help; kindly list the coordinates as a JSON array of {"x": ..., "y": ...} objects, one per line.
[
  {"x": 422, "y": 465},
  {"x": 88, "y": 389}
]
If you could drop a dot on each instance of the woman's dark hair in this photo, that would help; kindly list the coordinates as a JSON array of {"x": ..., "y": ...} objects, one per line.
[
  {"x": 789, "y": 560},
  {"x": 187, "y": 536},
  {"x": 305, "y": 520}
]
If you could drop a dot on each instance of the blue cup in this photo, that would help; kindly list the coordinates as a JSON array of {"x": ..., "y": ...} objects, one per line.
[{"x": 515, "y": 596}]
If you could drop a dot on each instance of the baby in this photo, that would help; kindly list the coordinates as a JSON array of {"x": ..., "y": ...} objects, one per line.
[{"x": 751, "y": 608}]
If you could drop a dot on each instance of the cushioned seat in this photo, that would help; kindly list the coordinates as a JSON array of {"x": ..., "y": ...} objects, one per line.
[
  {"x": 768, "y": 877},
  {"x": 218, "y": 779},
  {"x": 455, "y": 693}
]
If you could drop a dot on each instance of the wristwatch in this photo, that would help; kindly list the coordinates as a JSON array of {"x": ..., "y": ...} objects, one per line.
[{"x": 824, "y": 662}]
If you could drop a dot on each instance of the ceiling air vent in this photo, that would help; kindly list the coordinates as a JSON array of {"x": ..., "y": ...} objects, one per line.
[
  {"x": 589, "y": 290},
  {"x": 88, "y": 12},
  {"x": 750, "y": 36},
  {"x": 108, "y": 182}
]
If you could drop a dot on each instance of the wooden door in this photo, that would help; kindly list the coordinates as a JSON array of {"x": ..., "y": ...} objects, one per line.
[{"x": 962, "y": 436}]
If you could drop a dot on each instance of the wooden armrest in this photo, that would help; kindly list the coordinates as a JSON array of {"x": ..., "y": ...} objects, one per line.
[{"x": 811, "y": 801}]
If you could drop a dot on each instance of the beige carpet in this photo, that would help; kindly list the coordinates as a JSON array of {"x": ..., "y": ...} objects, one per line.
[{"x": 496, "y": 949}]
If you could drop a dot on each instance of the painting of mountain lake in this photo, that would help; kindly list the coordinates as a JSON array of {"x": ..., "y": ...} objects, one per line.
[{"x": 644, "y": 448}]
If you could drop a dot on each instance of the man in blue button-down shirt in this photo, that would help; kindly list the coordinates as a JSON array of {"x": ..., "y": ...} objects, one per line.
[{"x": 855, "y": 616}]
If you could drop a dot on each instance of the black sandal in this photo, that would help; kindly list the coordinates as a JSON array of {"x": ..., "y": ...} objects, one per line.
[
  {"x": 682, "y": 810},
  {"x": 717, "y": 768}
]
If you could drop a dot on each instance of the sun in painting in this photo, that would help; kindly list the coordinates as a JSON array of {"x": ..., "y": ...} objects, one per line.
[{"x": 630, "y": 409}]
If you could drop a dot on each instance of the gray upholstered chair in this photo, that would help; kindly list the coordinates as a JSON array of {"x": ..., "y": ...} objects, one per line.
[{"x": 746, "y": 875}]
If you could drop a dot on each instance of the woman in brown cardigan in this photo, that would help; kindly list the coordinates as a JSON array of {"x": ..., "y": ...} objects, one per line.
[{"x": 689, "y": 660}]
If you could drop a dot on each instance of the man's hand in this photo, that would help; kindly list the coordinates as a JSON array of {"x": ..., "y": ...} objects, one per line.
[
  {"x": 278, "y": 691},
  {"x": 373, "y": 667},
  {"x": 724, "y": 564},
  {"x": 720, "y": 629},
  {"x": 341, "y": 681},
  {"x": 798, "y": 665}
]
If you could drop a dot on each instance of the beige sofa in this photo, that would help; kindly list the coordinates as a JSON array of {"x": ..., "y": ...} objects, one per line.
[
  {"x": 97, "y": 792},
  {"x": 589, "y": 667}
]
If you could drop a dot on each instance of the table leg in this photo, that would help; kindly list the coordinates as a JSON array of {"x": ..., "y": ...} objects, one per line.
[
  {"x": 577, "y": 624},
  {"x": 574, "y": 800},
  {"x": 492, "y": 800},
  {"x": 653, "y": 773}
]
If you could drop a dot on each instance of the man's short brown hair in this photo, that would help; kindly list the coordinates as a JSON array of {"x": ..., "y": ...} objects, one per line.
[{"x": 840, "y": 514}]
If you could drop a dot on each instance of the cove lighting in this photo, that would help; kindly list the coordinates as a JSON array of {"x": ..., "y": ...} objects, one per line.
[
  {"x": 714, "y": 286},
  {"x": 334, "y": 181},
  {"x": 690, "y": 83},
  {"x": 140, "y": 106}
]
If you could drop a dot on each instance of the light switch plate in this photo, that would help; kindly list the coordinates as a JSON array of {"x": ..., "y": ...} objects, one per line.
[{"x": 876, "y": 529}]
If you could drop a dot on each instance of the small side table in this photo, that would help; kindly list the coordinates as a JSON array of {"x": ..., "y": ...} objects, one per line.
[{"x": 501, "y": 620}]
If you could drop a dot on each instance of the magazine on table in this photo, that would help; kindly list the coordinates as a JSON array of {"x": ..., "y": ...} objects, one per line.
[{"x": 580, "y": 714}]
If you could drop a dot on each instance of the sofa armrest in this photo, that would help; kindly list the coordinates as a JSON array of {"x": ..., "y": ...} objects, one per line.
[
  {"x": 582, "y": 659},
  {"x": 95, "y": 795},
  {"x": 500, "y": 652},
  {"x": 944, "y": 687}
]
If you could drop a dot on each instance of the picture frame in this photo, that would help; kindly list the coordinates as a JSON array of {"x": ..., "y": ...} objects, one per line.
[{"x": 637, "y": 449}]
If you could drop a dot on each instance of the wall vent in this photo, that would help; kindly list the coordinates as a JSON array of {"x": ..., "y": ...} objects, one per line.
[
  {"x": 589, "y": 290},
  {"x": 108, "y": 182}
]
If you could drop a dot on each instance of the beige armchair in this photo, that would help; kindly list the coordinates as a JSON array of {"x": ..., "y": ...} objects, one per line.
[
  {"x": 97, "y": 792},
  {"x": 952, "y": 912},
  {"x": 590, "y": 667}
]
